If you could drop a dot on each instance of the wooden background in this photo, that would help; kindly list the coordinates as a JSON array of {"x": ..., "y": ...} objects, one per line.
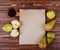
[{"x": 8, "y": 43}]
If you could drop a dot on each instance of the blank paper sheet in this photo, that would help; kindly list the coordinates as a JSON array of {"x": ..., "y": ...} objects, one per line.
[{"x": 32, "y": 29}]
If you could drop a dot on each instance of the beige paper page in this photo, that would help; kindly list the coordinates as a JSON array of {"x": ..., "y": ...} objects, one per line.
[{"x": 32, "y": 29}]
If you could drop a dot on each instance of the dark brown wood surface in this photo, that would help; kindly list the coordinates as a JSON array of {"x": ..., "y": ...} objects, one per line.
[{"x": 9, "y": 43}]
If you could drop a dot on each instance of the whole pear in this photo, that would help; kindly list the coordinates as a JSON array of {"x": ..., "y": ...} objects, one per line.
[{"x": 50, "y": 25}]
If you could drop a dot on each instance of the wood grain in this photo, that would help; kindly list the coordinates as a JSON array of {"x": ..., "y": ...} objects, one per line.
[{"x": 9, "y": 43}]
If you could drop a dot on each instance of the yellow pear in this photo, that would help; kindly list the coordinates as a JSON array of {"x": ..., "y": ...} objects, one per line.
[
  {"x": 50, "y": 25},
  {"x": 42, "y": 43}
]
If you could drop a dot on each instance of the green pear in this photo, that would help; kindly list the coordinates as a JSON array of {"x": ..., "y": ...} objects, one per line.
[
  {"x": 7, "y": 28},
  {"x": 50, "y": 37},
  {"x": 50, "y": 14},
  {"x": 50, "y": 25}
]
